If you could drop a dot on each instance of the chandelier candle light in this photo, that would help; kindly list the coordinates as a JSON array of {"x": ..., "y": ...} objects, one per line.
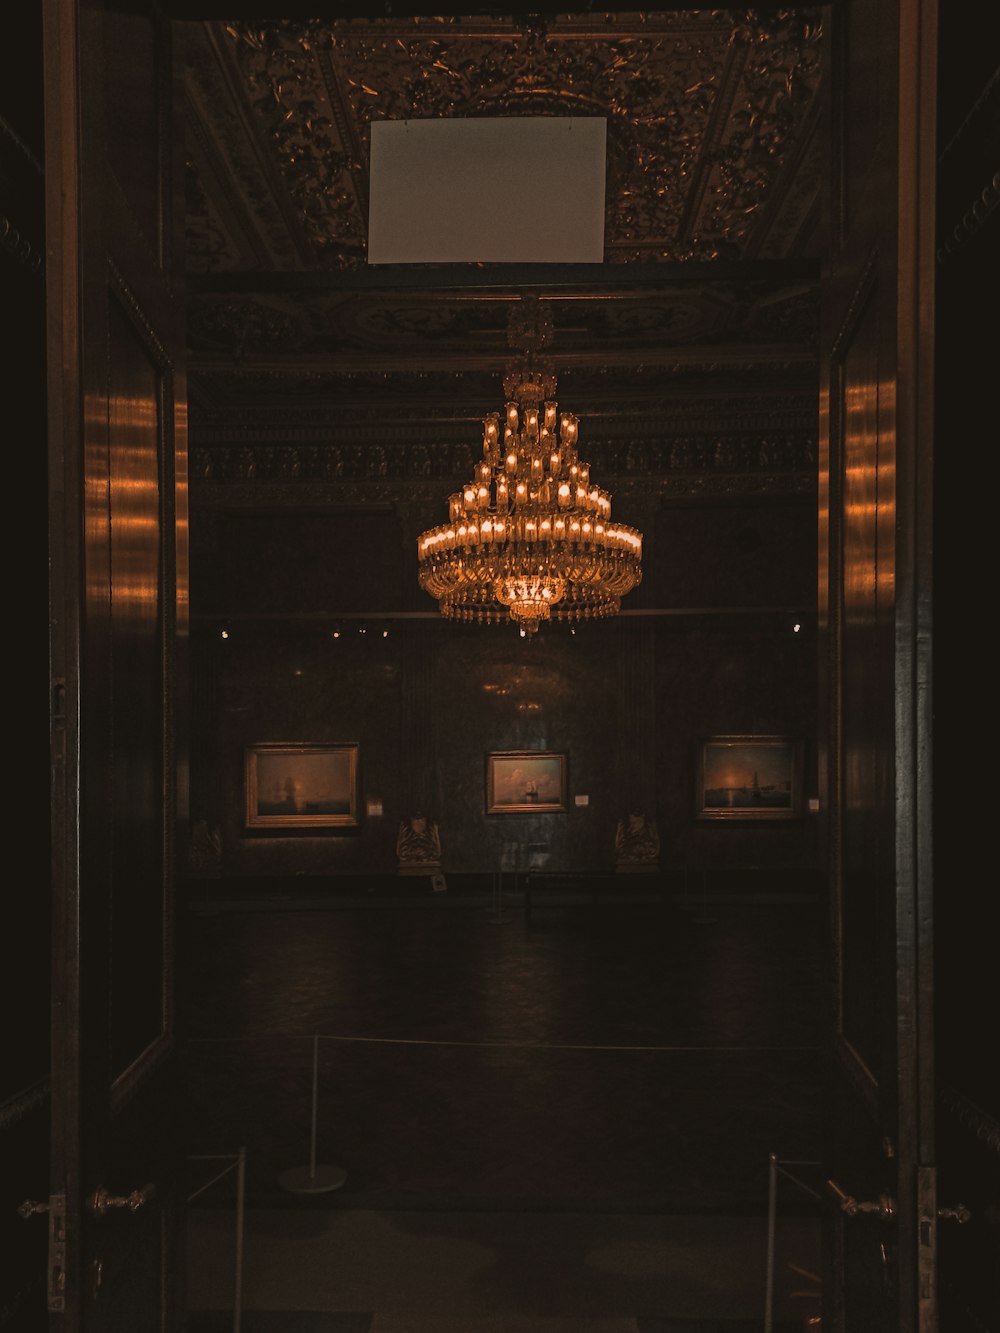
[{"x": 530, "y": 538}]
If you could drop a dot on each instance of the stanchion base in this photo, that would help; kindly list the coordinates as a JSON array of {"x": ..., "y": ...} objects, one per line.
[{"x": 320, "y": 1180}]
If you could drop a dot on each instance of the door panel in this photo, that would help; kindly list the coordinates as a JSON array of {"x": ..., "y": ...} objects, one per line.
[
  {"x": 117, "y": 555},
  {"x": 138, "y": 1018},
  {"x": 862, "y": 1283},
  {"x": 875, "y": 485},
  {"x": 866, "y": 495},
  {"x": 967, "y": 353},
  {"x": 24, "y": 951}
]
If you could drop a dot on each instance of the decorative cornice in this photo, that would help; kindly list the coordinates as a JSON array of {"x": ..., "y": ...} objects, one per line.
[
  {"x": 859, "y": 298},
  {"x": 24, "y": 152},
  {"x": 350, "y": 494},
  {"x": 688, "y": 465},
  {"x": 134, "y": 308},
  {"x": 972, "y": 221},
  {"x": 764, "y": 321},
  {"x": 302, "y": 427},
  {"x": 401, "y": 411},
  {"x": 973, "y": 116},
  {"x": 24, "y": 1103}
]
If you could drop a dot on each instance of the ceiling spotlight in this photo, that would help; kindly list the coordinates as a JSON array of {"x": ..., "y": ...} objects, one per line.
[{"x": 225, "y": 634}]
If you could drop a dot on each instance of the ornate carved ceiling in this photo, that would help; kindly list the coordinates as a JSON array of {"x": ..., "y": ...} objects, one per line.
[{"x": 713, "y": 162}]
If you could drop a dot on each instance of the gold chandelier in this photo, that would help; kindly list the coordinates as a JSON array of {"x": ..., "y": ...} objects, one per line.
[{"x": 530, "y": 537}]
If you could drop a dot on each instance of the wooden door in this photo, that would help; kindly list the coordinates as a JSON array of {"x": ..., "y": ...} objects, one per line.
[
  {"x": 117, "y": 608},
  {"x": 876, "y": 413},
  {"x": 967, "y": 355}
]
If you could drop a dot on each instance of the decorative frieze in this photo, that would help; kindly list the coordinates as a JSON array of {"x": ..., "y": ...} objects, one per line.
[{"x": 665, "y": 457}]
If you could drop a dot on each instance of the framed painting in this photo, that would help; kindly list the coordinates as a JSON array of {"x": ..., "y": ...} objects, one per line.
[
  {"x": 301, "y": 786},
  {"x": 749, "y": 778},
  {"x": 525, "y": 781}
]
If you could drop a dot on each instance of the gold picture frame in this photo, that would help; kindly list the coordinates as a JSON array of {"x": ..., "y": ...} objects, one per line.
[
  {"x": 749, "y": 778},
  {"x": 525, "y": 782},
  {"x": 301, "y": 785}
]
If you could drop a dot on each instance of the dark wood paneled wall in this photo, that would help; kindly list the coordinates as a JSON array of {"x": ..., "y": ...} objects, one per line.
[
  {"x": 627, "y": 700},
  {"x": 24, "y": 950}
]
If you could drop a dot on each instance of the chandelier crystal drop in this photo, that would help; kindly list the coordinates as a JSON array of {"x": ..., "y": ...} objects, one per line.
[{"x": 530, "y": 537}]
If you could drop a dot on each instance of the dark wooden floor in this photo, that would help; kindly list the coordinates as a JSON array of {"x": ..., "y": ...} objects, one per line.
[{"x": 627, "y": 1056}]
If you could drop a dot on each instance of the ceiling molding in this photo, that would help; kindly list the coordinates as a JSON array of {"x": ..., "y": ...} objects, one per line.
[
  {"x": 190, "y": 11},
  {"x": 586, "y": 279}
]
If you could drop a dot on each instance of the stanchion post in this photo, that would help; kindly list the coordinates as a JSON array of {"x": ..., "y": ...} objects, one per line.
[
  {"x": 312, "y": 1179},
  {"x": 772, "y": 1198},
  {"x": 241, "y": 1194},
  {"x": 315, "y": 1107},
  {"x": 240, "y": 1165}
]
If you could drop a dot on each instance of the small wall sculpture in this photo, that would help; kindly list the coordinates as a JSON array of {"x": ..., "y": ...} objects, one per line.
[
  {"x": 418, "y": 846},
  {"x": 637, "y": 843}
]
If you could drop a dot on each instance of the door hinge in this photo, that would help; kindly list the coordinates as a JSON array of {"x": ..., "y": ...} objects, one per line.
[{"x": 56, "y": 1281}]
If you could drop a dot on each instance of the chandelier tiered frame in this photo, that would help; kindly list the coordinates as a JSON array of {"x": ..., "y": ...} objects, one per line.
[{"x": 530, "y": 538}]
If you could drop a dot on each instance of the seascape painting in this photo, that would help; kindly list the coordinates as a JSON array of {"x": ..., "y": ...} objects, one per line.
[
  {"x": 303, "y": 785},
  {"x": 525, "y": 780},
  {"x": 749, "y": 777}
]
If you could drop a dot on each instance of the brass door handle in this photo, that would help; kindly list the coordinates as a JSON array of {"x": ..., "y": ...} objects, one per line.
[
  {"x": 102, "y": 1201},
  {"x": 884, "y": 1206}
]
